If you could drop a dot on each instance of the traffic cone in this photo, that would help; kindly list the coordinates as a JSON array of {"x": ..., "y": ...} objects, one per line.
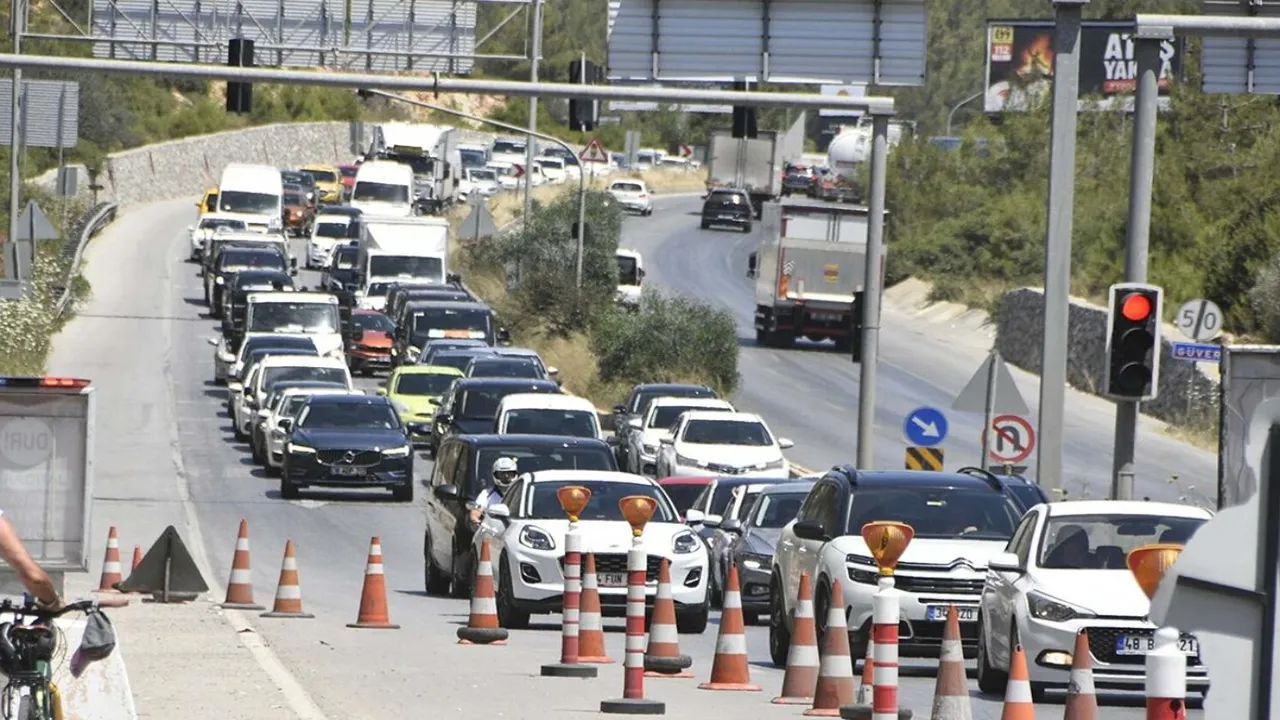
[
  {"x": 729, "y": 669},
  {"x": 1018, "y": 704},
  {"x": 111, "y": 563},
  {"x": 1082, "y": 700},
  {"x": 482, "y": 627},
  {"x": 288, "y": 602},
  {"x": 590, "y": 626},
  {"x": 240, "y": 586},
  {"x": 137, "y": 558},
  {"x": 835, "y": 678},
  {"x": 802, "y": 659},
  {"x": 663, "y": 658},
  {"x": 865, "y": 694},
  {"x": 373, "y": 597},
  {"x": 951, "y": 693}
]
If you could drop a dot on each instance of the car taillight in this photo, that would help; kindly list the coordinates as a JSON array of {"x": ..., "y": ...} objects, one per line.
[{"x": 643, "y": 196}]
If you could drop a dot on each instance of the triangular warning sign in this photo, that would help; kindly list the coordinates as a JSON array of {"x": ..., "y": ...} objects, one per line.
[
  {"x": 167, "y": 571},
  {"x": 973, "y": 398},
  {"x": 594, "y": 152}
]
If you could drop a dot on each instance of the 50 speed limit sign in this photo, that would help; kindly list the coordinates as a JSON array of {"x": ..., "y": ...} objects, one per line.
[{"x": 1199, "y": 320}]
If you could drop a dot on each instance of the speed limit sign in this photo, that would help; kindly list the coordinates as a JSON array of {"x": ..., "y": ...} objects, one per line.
[{"x": 1199, "y": 320}]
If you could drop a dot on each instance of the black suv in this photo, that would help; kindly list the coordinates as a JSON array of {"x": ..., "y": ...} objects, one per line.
[
  {"x": 462, "y": 470},
  {"x": 727, "y": 207},
  {"x": 232, "y": 259},
  {"x": 347, "y": 441}
]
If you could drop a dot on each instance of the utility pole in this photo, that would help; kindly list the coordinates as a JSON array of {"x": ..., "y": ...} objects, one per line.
[
  {"x": 1142, "y": 168},
  {"x": 871, "y": 290},
  {"x": 535, "y": 54},
  {"x": 17, "y": 26}
]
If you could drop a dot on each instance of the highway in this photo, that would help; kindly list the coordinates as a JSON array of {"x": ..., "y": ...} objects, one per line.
[{"x": 165, "y": 456}]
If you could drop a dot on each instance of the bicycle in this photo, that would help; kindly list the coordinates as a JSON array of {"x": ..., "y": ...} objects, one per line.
[{"x": 27, "y": 650}]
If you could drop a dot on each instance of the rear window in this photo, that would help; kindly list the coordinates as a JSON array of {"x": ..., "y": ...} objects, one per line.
[
  {"x": 627, "y": 187},
  {"x": 727, "y": 198}
]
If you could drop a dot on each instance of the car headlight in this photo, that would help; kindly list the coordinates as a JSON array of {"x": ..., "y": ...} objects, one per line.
[
  {"x": 752, "y": 561},
  {"x": 218, "y": 280},
  {"x": 295, "y": 448},
  {"x": 1044, "y": 607},
  {"x": 862, "y": 569},
  {"x": 649, "y": 449},
  {"x": 775, "y": 465},
  {"x": 413, "y": 351},
  {"x": 401, "y": 451},
  {"x": 334, "y": 353},
  {"x": 536, "y": 538},
  {"x": 685, "y": 542}
]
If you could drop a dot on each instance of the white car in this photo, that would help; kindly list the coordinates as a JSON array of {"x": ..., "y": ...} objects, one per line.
[
  {"x": 526, "y": 539},
  {"x": 211, "y": 224},
  {"x": 961, "y": 520},
  {"x": 553, "y": 169},
  {"x": 647, "y": 433},
  {"x": 719, "y": 442},
  {"x": 632, "y": 195},
  {"x": 228, "y": 365},
  {"x": 482, "y": 181},
  {"x": 1064, "y": 571},
  {"x": 327, "y": 231},
  {"x": 291, "y": 403},
  {"x": 250, "y": 395},
  {"x": 547, "y": 414}
]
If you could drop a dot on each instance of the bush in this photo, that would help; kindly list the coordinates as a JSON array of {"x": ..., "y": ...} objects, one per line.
[{"x": 1264, "y": 299}]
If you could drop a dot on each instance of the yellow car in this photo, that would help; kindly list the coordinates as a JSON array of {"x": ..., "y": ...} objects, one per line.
[
  {"x": 415, "y": 391},
  {"x": 328, "y": 182},
  {"x": 208, "y": 203}
]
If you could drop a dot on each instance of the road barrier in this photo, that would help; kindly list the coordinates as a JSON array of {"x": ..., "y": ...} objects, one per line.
[{"x": 90, "y": 225}]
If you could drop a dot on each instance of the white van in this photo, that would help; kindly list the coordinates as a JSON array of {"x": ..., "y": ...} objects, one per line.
[
  {"x": 547, "y": 414},
  {"x": 383, "y": 187},
  {"x": 254, "y": 194}
]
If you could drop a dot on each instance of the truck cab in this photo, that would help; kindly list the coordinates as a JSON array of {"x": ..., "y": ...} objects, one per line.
[{"x": 318, "y": 316}]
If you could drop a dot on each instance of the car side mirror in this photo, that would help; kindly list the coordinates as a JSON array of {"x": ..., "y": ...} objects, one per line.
[
  {"x": 1005, "y": 562},
  {"x": 235, "y": 386},
  {"x": 640, "y": 273},
  {"x": 357, "y": 335},
  {"x": 285, "y": 424},
  {"x": 447, "y": 492},
  {"x": 553, "y": 371},
  {"x": 694, "y": 517},
  {"x": 667, "y": 441},
  {"x": 192, "y": 228},
  {"x": 213, "y": 341},
  {"x": 613, "y": 440},
  {"x": 809, "y": 530},
  {"x": 380, "y": 391},
  {"x": 444, "y": 418},
  {"x": 499, "y": 511},
  {"x": 712, "y": 520},
  {"x": 733, "y": 525},
  {"x": 619, "y": 410},
  {"x": 786, "y": 443},
  {"x": 635, "y": 424}
]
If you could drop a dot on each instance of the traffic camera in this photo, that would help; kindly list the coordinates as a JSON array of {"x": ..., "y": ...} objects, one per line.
[{"x": 1132, "y": 370}]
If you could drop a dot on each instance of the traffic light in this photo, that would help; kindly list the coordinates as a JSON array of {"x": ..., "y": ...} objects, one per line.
[
  {"x": 744, "y": 118},
  {"x": 583, "y": 114},
  {"x": 1132, "y": 370},
  {"x": 239, "y": 95}
]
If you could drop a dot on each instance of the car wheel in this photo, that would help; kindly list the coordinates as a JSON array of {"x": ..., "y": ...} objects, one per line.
[
  {"x": 435, "y": 582},
  {"x": 821, "y": 596},
  {"x": 255, "y": 447},
  {"x": 460, "y": 583},
  {"x": 706, "y": 225},
  {"x": 779, "y": 636},
  {"x": 235, "y": 428},
  {"x": 508, "y": 615},
  {"x": 403, "y": 493},
  {"x": 991, "y": 681},
  {"x": 288, "y": 490},
  {"x": 693, "y": 622},
  {"x": 746, "y": 228}
]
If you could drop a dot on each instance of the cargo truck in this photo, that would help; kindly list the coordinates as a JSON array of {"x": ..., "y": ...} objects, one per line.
[
  {"x": 809, "y": 269},
  {"x": 404, "y": 250},
  {"x": 432, "y": 151},
  {"x": 755, "y": 165}
]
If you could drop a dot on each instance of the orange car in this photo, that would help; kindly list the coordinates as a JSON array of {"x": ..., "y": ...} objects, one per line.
[{"x": 371, "y": 347}]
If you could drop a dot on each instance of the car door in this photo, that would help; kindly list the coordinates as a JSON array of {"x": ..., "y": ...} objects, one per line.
[
  {"x": 496, "y": 530},
  {"x": 446, "y": 407},
  {"x": 439, "y": 509},
  {"x": 635, "y": 438},
  {"x": 238, "y": 397},
  {"x": 666, "y": 464},
  {"x": 1001, "y": 591},
  {"x": 457, "y": 518},
  {"x": 820, "y": 507},
  {"x": 786, "y": 556}
]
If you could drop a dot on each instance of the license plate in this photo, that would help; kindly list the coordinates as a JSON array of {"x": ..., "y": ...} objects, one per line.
[
  {"x": 612, "y": 580},
  {"x": 938, "y": 613},
  {"x": 1143, "y": 644},
  {"x": 349, "y": 471}
]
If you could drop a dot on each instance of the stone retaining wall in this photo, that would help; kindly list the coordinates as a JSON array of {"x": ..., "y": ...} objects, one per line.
[{"x": 1187, "y": 397}]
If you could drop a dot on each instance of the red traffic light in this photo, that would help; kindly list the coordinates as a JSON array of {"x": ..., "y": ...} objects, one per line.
[{"x": 1135, "y": 307}]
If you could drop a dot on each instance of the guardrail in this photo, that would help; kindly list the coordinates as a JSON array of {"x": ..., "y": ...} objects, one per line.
[{"x": 91, "y": 224}]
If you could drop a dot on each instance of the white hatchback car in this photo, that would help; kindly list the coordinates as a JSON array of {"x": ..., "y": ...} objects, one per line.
[
  {"x": 632, "y": 195},
  {"x": 547, "y": 414},
  {"x": 526, "y": 538},
  {"x": 1064, "y": 571},
  {"x": 250, "y": 395},
  {"x": 714, "y": 442},
  {"x": 647, "y": 433}
]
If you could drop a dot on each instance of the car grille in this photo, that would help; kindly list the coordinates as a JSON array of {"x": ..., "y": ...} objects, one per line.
[
  {"x": 1102, "y": 643},
  {"x": 726, "y": 469},
  {"x": 351, "y": 458},
  {"x": 922, "y": 585},
  {"x": 617, "y": 563}
]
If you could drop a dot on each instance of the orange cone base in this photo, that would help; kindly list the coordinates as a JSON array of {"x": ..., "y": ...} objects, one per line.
[
  {"x": 241, "y": 606},
  {"x": 595, "y": 660},
  {"x": 792, "y": 701},
  {"x": 823, "y": 712},
  {"x": 652, "y": 674},
  {"x": 569, "y": 670},
  {"x": 633, "y": 706},
  {"x": 300, "y": 615},
  {"x": 746, "y": 687},
  {"x": 468, "y": 635},
  {"x": 374, "y": 626}
]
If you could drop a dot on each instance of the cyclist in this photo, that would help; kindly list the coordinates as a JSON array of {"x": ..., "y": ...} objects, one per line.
[
  {"x": 504, "y": 473},
  {"x": 33, "y": 577}
]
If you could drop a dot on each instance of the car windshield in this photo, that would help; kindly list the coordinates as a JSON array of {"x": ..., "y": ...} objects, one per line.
[
  {"x": 250, "y": 203},
  {"x": 683, "y": 495},
  {"x": 327, "y": 176},
  {"x": 472, "y": 157},
  {"x": 294, "y": 199},
  {"x": 506, "y": 367},
  {"x": 936, "y": 512},
  {"x": 442, "y": 323},
  {"x": 508, "y": 147},
  {"x": 456, "y": 360},
  {"x": 366, "y": 191},
  {"x": 261, "y": 280},
  {"x": 1103, "y": 542},
  {"x": 406, "y": 266},
  {"x": 295, "y": 177},
  {"x": 543, "y": 503},
  {"x": 627, "y": 187},
  {"x": 483, "y": 404},
  {"x": 643, "y": 398},
  {"x": 424, "y": 384},
  {"x": 345, "y": 259},
  {"x": 628, "y": 271},
  {"x": 373, "y": 321},
  {"x": 1027, "y": 494},
  {"x": 348, "y": 415},
  {"x": 273, "y": 375},
  {"x": 349, "y": 171},
  {"x": 484, "y": 174},
  {"x": 300, "y": 317},
  {"x": 439, "y": 346},
  {"x": 665, "y": 416},
  {"x": 553, "y": 163},
  {"x": 293, "y": 405},
  {"x": 223, "y": 223},
  {"x": 232, "y": 260},
  {"x": 332, "y": 229},
  {"x": 550, "y": 457},
  {"x": 777, "y": 509},
  {"x": 727, "y": 432},
  {"x": 543, "y": 421},
  {"x": 267, "y": 343}
]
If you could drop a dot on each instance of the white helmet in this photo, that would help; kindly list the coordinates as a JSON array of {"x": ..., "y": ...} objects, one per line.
[{"x": 504, "y": 472}]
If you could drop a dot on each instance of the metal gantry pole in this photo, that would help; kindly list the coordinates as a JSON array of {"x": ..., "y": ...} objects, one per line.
[
  {"x": 871, "y": 290},
  {"x": 582, "y": 222},
  {"x": 535, "y": 53},
  {"x": 1142, "y": 169},
  {"x": 12, "y": 257},
  {"x": 1057, "y": 261}
]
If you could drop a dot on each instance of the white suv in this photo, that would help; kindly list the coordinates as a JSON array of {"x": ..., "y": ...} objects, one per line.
[
  {"x": 632, "y": 195},
  {"x": 720, "y": 442},
  {"x": 960, "y": 519},
  {"x": 646, "y": 434}
]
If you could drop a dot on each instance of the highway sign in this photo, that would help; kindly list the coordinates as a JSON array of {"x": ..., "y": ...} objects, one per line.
[
  {"x": 1199, "y": 320},
  {"x": 924, "y": 458},
  {"x": 1197, "y": 352},
  {"x": 686, "y": 151},
  {"x": 33, "y": 224},
  {"x": 594, "y": 152},
  {"x": 1014, "y": 439},
  {"x": 973, "y": 398},
  {"x": 519, "y": 170},
  {"x": 925, "y": 427}
]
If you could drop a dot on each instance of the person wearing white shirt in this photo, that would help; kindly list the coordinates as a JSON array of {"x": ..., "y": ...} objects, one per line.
[{"x": 504, "y": 473}]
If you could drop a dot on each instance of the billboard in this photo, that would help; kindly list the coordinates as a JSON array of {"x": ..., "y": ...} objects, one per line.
[
  {"x": 1250, "y": 405},
  {"x": 1020, "y": 62}
]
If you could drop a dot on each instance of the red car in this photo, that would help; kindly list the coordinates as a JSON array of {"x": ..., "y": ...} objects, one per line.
[
  {"x": 371, "y": 347},
  {"x": 347, "y": 174},
  {"x": 684, "y": 490}
]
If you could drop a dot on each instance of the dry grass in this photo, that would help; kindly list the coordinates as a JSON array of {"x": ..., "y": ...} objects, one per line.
[
  {"x": 1205, "y": 438},
  {"x": 507, "y": 206}
]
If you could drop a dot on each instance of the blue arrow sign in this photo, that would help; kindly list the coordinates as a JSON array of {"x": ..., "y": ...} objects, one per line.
[
  {"x": 1197, "y": 352},
  {"x": 925, "y": 427}
]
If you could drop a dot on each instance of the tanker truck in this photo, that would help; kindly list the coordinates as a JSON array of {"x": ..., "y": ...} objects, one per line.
[{"x": 847, "y": 155}]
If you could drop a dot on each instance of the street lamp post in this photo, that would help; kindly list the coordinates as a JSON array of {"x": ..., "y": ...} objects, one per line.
[
  {"x": 959, "y": 105},
  {"x": 582, "y": 177}
]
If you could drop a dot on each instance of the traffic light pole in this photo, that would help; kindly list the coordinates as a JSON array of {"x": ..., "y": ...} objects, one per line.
[
  {"x": 529, "y": 150},
  {"x": 1137, "y": 237}
]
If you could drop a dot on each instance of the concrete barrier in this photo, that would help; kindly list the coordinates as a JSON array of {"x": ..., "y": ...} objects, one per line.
[{"x": 102, "y": 692}]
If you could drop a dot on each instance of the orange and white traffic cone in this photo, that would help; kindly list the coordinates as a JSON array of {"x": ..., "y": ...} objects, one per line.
[
  {"x": 866, "y": 694},
  {"x": 662, "y": 658},
  {"x": 590, "y": 619},
  {"x": 729, "y": 670},
  {"x": 951, "y": 693},
  {"x": 1018, "y": 704},
  {"x": 240, "y": 586},
  {"x": 373, "y": 597},
  {"x": 1082, "y": 699},
  {"x": 482, "y": 627},
  {"x": 111, "y": 564},
  {"x": 835, "y": 678},
  {"x": 137, "y": 558},
  {"x": 803, "y": 659},
  {"x": 288, "y": 602}
]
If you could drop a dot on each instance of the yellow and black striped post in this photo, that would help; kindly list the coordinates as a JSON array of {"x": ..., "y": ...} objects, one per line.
[{"x": 924, "y": 458}]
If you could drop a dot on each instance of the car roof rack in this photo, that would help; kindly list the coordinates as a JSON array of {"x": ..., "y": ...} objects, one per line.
[{"x": 986, "y": 475}]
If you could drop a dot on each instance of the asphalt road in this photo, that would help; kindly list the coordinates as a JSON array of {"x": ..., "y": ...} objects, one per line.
[{"x": 166, "y": 456}]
